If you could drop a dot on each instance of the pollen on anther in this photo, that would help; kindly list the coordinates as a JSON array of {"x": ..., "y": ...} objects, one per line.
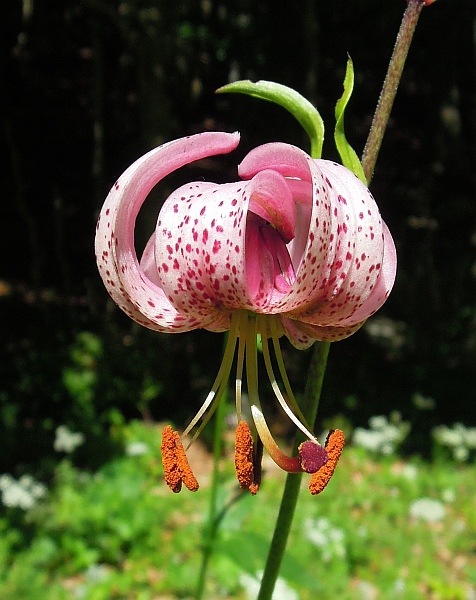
[
  {"x": 172, "y": 474},
  {"x": 244, "y": 456},
  {"x": 334, "y": 446},
  {"x": 188, "y": 477},
  {"x": 175, "y": 463}
]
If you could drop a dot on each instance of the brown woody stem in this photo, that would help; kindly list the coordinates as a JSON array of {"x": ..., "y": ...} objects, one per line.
[{"x": 390, "y": 86}]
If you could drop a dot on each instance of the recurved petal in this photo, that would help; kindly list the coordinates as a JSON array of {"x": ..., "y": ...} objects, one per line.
[
  {"x": 353, "y": 255},
  {"x": 288, "y": 160},
  {"x": 302, "y": 335},
  {"x": 134, "y": 292},
  {"x": 271, "y": 199},
  {"x": 384, "y": 283}
]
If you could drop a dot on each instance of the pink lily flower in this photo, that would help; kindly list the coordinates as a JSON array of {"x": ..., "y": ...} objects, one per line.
[{"x": 296, "y": 248}]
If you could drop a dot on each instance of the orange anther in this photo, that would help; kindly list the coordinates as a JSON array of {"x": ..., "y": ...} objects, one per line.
[
  {"x": 187, "y": 474},
  {"x": 244, "y": 456},
  {"x": 173, "y": 477},
  {"x": 174, "y": 460},
  {"x": 334, "y": 446}
]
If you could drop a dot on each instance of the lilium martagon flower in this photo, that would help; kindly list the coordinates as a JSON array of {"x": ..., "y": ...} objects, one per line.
[{"x": 296, "y": 248}]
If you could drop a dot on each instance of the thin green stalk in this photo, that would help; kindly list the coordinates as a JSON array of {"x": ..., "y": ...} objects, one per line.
[
  {"x": 321, "y": 350},
  {"x": 293, "y": 481},
  {"x": 390, "y": 86},
  {"x": 213, "y": 518}
]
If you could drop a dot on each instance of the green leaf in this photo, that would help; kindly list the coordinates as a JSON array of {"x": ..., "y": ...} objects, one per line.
[
  {"x": 301, "y": 109},
  {"x": 347, "y": 153}
]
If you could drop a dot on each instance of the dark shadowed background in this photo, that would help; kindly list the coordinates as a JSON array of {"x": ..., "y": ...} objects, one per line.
[{"x": 86, "y": 87}]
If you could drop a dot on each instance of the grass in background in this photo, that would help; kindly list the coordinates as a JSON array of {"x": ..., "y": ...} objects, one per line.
[{"x": 385, "y": 528}]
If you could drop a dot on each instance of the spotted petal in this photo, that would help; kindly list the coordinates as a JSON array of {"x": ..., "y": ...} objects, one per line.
[
  {"x": 208, "y": 262},
  {"x": 344, "y": 259},
  {"x": 127, "y": 283}
]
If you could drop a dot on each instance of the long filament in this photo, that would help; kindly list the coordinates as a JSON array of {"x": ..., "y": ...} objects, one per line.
[
  {"x": 278, "y": 393},
  {"x": 210, "y": 412},
  {"x": 252, "y": 360},
  {"x": 221, "y": 378},
  {"x": 284, "y": 376},
  {"x": 239, "y": 363}
]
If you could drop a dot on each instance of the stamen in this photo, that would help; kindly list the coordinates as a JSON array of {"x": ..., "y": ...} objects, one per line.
[
  {"x": 287, "y": 463},
  {"x": 221, "y": 380},
  {"x": 239, "y": 365},
  {"x": 334, "y": 446},
  {"x": 257, "y": 460},
  {"x": 187, "y": 474},
  {"x": 172, "y": 474},
  {"x": 284, "y": 376},
  {"x": 277, "y": 391},
  {"x": 174, "y": 460},
  {"x": 250, "y": 332},
  {"x": 244, "y": 455}
]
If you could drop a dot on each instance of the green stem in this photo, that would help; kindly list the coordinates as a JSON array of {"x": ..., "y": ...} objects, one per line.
[
  {"x": 390, "y": 86},
  {"x": 280, "y": 535},
  {"x": 290, "y": 496},
  {"x": 214, "y": 518},
  {"x": 321, "y": 350}
]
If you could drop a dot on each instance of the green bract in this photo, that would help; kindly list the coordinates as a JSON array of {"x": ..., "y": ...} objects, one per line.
[
  {"x": 307, "y": 115},
  {"x": 347, "y": 153}
]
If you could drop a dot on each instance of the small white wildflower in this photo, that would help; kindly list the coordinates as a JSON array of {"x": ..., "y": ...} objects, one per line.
[
  {"x": 316, "y": 537},
  {"x": 66, "y": 440},
  {"x": 5, "y": 481},
  {"x": 362, "y": 531},
  {"x": 448, "y": 495},
  {"x": 427, "y": 509},
  {"x": 399, "y": 586},
  {"x": 459, "y": 526},
  {"x": 336, "y": 535},
  {"x": 370, "y": 440},
  {"x": 26, "y": 481},
  {"x": 460, "y": 453},
  {"x": 410, "y": 472},
  {"x": 282, "y": 591},
  {"x": 95, "y": 573},
  {"x": 329, "y": 539},
  {"x": 366, "y": 590},
  {"x": 22, "y": 493},
  {"x": 470, "y": 437},
  {"x": 383, "y": 436},
  {"x": 471, "y": 593},
  {"x": 136, "y": 449},
  {"x": 378, "y": 422},
  {"x": 16, "y": 497}
]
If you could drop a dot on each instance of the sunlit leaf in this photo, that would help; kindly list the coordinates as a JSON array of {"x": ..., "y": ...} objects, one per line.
[{"x": 301, "y": 109}]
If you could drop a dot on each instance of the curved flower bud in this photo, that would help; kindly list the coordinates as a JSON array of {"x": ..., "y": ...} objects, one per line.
[{"x": 297, "y": 247}]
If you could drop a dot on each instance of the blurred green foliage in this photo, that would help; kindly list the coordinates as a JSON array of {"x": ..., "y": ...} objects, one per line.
[
  {"x": 120, "y": 533},
  {"x": 86, "y": 87}
]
